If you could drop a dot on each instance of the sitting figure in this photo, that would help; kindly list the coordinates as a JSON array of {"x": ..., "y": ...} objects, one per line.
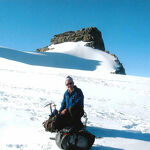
[{"x": 72, "y": 107}]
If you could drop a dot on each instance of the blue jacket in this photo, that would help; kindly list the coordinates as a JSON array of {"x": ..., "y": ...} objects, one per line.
[{"x": 70, "y": 100}]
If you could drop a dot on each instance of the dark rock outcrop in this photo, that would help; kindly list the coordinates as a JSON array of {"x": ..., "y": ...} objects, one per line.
[
  {"x": 42, "y": 49},
  {"x": 91, "y": 35},
  {"x": 120, "y": 69}
]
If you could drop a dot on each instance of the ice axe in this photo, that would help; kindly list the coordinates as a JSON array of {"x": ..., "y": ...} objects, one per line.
[
  {"x": 54, "y": 106},
  {"x": 50, "y": 106}
]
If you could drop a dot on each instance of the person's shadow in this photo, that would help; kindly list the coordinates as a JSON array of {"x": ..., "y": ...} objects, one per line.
[{"x": 102, "y": 132}]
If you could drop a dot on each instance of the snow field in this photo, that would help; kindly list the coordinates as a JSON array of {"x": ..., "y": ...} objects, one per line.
[{"x": 118, "y": 106}]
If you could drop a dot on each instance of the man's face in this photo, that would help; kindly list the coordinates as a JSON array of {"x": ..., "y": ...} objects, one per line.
[{"x": 69, "y": 84}]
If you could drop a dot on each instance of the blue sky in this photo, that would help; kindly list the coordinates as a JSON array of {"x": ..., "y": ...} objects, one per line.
[{"x": 125, "y": 26}]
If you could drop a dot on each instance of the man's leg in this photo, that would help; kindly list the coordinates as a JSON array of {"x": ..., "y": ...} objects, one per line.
[
  {"x": 61, "y": 121},
  {"x": 76, "y": 113}
]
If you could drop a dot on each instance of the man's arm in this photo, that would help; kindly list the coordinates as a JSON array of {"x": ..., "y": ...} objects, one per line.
[
  {"x": 63, "y": 104},
  {"x": 79, "y": 100}
]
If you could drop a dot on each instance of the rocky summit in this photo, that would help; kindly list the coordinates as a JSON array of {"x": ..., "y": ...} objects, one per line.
[{"x": 91, "y": 35}]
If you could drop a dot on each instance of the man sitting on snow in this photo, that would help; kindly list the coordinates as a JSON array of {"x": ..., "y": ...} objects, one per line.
[{"x": 72, "y": 107}]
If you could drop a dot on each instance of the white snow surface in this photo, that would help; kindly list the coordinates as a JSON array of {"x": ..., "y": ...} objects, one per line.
[
  {"x": 118, "y": 106},
  {"x": 102, "y": 61}
]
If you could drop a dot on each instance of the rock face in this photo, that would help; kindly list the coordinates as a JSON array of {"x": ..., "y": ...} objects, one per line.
[
  {"x": 91, "y": 35},
  {"x": 42, "y": 49},
  {"x": 120, "y": 69}
]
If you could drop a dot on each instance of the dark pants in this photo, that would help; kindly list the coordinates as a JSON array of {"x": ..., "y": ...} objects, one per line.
[{"x": 72, "y": 118}]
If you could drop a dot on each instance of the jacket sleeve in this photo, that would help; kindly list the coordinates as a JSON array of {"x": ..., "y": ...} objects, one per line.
[
  {"x": 63, "y": 104},
  {"x": 79, "y": 100}
]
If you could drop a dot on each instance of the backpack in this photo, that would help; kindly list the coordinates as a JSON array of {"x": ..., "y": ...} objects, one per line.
[
  {"x": 79, "y": 140},
  {"x": 49, "y": 124}
]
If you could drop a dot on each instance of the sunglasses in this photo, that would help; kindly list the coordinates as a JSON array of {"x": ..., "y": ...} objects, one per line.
[{"x": 69, "y": 83}]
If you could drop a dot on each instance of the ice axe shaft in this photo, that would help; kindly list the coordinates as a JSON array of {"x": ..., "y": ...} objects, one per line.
[{"x": 54, "y": 106}]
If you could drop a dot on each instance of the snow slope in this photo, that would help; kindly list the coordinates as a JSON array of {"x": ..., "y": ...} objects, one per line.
[
  {"x": 105, "y": 62},
  {"x": 70, "y": 55},
  {"x": 118, "y": 106}
]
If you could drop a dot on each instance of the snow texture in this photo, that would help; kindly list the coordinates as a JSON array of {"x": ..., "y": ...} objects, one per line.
[{"x": 118, "y": 106}]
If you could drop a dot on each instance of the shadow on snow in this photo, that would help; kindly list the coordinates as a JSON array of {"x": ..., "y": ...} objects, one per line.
[
  {"x": 104, "y": 148},
  {"x": 101, "y": 132},
  {"x": 57, "y": 60}
]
